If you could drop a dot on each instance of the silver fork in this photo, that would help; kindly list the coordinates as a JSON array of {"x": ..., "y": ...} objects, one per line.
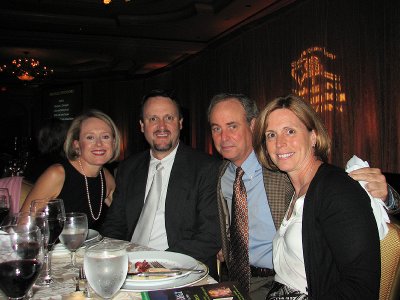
[
  {"x": 82, "y": 276},
  {"x": 156, "y": 264}
]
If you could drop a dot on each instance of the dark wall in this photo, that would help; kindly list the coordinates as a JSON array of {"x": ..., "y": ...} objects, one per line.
[{"x": 363, "y": 36}]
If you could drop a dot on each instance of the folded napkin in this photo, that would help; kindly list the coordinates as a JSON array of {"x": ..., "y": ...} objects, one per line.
[{"x": 378, "y": 206}]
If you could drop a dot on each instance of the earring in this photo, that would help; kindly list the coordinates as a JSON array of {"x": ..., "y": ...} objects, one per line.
[{"x": 77, "y": 152}]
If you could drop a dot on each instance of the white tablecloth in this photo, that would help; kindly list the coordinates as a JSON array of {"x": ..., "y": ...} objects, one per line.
[{"x": 64, "y": 286}]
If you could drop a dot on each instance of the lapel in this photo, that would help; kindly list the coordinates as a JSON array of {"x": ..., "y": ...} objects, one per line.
[
  {"x": 136, "y": 182},
  {"x": 223, "y": 212},
  {"x": 279, "y": 193},
  {"x": 178, "y": 185}
]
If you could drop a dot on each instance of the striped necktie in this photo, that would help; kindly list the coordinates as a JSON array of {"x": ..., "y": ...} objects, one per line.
[{"x": 239, "y": 266}]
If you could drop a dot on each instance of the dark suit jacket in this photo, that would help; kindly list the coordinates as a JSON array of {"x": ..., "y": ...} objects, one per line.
[
  {"x": 279, "y": 193},
  {"x": 191, "y": 215}
]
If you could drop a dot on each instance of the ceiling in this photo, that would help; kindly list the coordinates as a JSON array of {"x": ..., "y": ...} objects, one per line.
[{"x": 126, "y": 38}]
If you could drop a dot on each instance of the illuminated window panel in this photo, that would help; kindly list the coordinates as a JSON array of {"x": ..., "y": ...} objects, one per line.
[{"x": 313, "y": 82}]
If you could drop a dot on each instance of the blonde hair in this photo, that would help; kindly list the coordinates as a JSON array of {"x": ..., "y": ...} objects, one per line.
[
  {"x": 306, "y": 115},
  {"x": 75, "y": 129}
]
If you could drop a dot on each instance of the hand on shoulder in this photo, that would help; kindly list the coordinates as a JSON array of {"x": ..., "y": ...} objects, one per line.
[{"x": 376, "y": 181}]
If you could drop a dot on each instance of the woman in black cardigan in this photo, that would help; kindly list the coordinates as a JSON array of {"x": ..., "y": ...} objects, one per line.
[{"x": 328, "y": 245}]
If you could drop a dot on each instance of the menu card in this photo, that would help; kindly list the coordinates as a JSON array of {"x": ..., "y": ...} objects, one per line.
[{"x": 220, "y": 291}]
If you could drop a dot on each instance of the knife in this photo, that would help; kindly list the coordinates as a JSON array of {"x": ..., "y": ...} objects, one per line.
[{"x": 171, "y": 272}]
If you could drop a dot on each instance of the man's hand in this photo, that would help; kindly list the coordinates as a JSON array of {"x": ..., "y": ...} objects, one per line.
[
  {"x": 376, "y": 181},
  {"x": 220, "y": 256}
]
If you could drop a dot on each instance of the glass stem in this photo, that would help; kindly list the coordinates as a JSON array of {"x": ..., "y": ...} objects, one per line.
[
  {"x": 73, "y": 259},
  {"x": 47, "y": 267}
]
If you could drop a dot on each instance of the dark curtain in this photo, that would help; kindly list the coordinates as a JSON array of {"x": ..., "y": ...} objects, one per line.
[{"x": 342, "y": 56}]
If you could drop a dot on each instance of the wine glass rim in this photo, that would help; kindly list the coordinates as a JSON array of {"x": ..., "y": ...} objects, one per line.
[
  {"x": 5, "y": 229},
  {"x": 74, "y": 214},
  {"x": 29, "y": 213},
  {"x": 47, "y": 200},
  {"x": 106, "y": 247}
]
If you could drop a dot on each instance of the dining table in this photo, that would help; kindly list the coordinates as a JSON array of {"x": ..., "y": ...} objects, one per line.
[{"x": 65, "y": 280}]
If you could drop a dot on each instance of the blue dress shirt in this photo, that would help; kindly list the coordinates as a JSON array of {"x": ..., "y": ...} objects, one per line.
[{"x": 261, "y": 226}]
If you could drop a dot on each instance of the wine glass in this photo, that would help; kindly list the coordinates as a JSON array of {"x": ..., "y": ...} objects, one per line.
[
  {"x": 31, "y": 219},
  {"x": 21, "y": 259},
  {"x": 74, "y": 234},
  {"x": 55, "y": 214},
  {"x": 106, "y": 266},
  {"x": 4, "y": 204}
]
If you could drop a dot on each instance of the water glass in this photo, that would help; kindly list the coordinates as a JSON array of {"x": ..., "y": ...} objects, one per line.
[
  {"x": 106, "y": 267},
  {"x": 74, "y": 234}
]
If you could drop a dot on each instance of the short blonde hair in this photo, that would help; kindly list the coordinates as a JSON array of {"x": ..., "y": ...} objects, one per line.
[
  {"x": 307, "y": 116},
  {"x": 75, "y": 130}
]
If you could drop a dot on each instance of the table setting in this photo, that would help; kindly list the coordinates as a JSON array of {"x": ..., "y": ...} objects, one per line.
[
  {"x": 84, "y": 265},
  {"x": 177, "y": 270}
]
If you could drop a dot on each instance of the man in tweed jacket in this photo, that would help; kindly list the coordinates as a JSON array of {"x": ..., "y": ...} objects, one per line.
[{"x": 231, "y": 118}]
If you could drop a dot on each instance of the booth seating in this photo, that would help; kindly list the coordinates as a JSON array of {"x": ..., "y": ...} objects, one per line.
[{"x": 390, "y": 263}]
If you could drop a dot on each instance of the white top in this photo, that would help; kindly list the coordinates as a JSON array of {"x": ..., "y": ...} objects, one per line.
[
  {"x": 288, "y": 250},
  {"x": 158, "y": 238}
]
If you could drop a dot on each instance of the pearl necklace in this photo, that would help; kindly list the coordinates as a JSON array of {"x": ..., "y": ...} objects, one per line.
[{"x": 88, "y": 195}]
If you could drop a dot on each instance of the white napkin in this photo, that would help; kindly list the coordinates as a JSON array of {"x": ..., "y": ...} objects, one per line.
[{"x": 378, "y": 206}]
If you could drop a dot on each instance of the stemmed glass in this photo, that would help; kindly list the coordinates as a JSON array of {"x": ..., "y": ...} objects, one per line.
[
  {"x": 4, "y": 204},
  {"x": 31, "y": 220},
  {"x": 105, "y": 266},
  {"x": 55, "y": 214},
  {"x": 21, "y": 259},
  {"x": 74, "y": 234}
]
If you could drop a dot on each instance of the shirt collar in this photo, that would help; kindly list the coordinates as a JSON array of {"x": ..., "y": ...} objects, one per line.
[
  {"x": 170, "y": 157},
  {"x": 249, "y": 166}
]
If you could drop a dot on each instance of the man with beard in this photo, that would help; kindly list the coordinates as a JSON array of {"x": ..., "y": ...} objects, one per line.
[{"x": 184, "y": 217}]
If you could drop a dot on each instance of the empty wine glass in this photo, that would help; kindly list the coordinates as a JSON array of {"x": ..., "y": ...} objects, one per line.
[
  {"x": 21, "y": 259},
  {"x": 106, "y": 266},
  {"x": 74, "y": 234},
  {"x": 55, "y": 214},
  {"x": 5, "y": 204}
]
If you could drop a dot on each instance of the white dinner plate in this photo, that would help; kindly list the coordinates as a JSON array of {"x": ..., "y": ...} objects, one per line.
[
  {"x": 92, "y": 236},
  {"x": 169, "y": 260}
]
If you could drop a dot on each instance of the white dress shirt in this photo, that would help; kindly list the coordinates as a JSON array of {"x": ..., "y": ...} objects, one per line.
[{"x": 158, "y": 237}]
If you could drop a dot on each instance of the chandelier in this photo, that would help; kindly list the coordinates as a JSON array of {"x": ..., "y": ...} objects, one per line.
[
  {"x": 26, "y": 68},
  {"x": 109, "y": 1}
]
